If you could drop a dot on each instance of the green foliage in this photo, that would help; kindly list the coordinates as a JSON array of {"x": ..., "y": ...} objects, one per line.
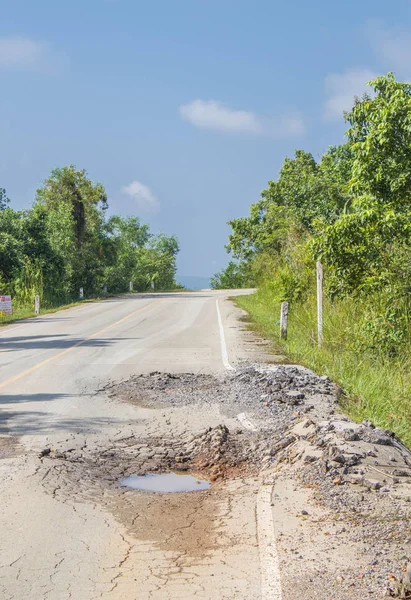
[
  {"x": 26, "y": 254},
  {"x": 380, "y": 134},
  {"x": 65, "y": 242},
  {"x": 125, "y": 238},
  {"x": 3, "y": 199},
  {"x": 377, "y": 387},
  {"x": 362, "y": 247},
  {"x": 75, "y": 208},
  {"x": 351, "y": 210},
  {"x": 139, "y": 257},
  {"x": 305, "y": 193},
  {"x": 234, "y": 276}
]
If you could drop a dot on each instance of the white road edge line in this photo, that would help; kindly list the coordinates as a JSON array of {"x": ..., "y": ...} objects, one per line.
[
  {"x": 269, "y": 561},
  {"x": 224, "y": 353},
  {"x": 267, "y": 549}
]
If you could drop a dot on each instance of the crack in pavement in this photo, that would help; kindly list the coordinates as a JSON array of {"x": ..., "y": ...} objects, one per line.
[{"x": 204, "y": 543}]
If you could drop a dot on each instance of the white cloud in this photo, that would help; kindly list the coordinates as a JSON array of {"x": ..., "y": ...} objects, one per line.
[
  {"x": 214, "y": 115},
  {"x": 391, "y": 45},
  {"x": 21, "y": 53},
  {"x": 211, "y": 114},
  {"x": 142, "y": 196},
  {"x": 392, "y": 48},
  {"x": 341, "y": 89}
]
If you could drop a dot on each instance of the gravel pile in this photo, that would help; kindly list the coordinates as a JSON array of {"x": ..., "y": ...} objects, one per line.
[{"x": 359, "y": 473}]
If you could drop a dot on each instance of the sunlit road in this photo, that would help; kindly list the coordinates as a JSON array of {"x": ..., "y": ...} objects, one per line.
[
  {"x": 49, "y": 364},
  {"x": 57, "y": 543}
]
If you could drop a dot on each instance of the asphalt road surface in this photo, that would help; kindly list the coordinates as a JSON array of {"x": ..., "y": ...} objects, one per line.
[{"x": 63, "y": 540}]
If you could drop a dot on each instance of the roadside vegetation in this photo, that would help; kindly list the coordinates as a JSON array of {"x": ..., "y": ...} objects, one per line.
[
  {"x": 352, "y": 211},
  {"x": 66, "y": 241}
]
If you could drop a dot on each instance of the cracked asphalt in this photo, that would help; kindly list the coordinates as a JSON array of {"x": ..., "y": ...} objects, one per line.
[
  {"x": 68, "y": 529},
  {"x": 303, "y": 503}
]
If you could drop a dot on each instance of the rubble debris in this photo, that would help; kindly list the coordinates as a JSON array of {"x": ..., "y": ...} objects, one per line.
[{"x": 358, "y": 472}]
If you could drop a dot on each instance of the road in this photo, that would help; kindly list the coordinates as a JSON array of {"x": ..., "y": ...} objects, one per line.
[{"x": 70, "y": 536}]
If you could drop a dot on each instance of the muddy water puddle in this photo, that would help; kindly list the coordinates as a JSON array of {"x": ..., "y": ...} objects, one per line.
[{"x": 165, "y": 483}]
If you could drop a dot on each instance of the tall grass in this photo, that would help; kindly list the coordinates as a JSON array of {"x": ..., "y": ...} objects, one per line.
[{"x": 376, "y": 387}]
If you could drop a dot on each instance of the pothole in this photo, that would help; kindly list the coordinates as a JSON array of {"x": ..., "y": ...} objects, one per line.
[{"x": 165, "y": 483}]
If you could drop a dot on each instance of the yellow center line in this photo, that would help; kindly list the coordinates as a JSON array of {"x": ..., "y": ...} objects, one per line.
[{"x": 67, "y": 350}]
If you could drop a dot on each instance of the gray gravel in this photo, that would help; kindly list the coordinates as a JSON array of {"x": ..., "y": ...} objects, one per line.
[{"x": 359, "y": 473}]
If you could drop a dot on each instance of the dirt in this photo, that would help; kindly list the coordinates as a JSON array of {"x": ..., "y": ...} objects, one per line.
[
  {"x": 342, "y": 490},
  {"x": 9, "y": 446}
]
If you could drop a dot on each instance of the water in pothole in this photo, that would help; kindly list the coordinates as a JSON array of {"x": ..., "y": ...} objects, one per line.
[{"x": 165, "y": 483}]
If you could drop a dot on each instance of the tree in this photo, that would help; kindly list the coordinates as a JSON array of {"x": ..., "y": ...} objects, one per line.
[
  {"x": 124, "y": 241},
  {"x": 304, "y": 193},
  {"x": 4, "y": 201},
  {"x": 64, "y": 242},
  {"x": 362, "y": 246},
  {"x": 234, "y": 276},
  {"x": 29, "y": 264},
  {"x": 87, "y": 200},
  {"x": 75, "y": 208},
  {"x": 380, "y": 137},
  {"x": 158, "y": 262}
]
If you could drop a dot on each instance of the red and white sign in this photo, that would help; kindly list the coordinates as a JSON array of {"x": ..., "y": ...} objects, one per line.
[{"x": 5, "y": 305}]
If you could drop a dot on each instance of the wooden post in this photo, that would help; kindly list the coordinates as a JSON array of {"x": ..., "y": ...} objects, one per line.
[
  {"x": 284, "y": 320},
  {"x": 37, "y": 305},
  {"x": 320, "y": 302}
]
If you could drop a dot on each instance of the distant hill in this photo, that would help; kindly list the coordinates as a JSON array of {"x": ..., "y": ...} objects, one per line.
[{"x": 192, "y": 282}]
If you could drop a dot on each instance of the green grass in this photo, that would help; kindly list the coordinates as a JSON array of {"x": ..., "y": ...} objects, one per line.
[
  {"x": 27, "y": 312},
  {"x": 375, "y": 387}
]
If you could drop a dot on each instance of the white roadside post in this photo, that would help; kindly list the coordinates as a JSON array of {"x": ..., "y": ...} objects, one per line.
[
  {"x": 152, "y": 285},
  {"x": 320, "y": 302},
  {"x": 81, "y": 294},
  {"x": 284, "y": 320},
  {"x": 105, "y": 289},
  {"x": 130, "y": 286},
  {"x": 36, "y": 304}
]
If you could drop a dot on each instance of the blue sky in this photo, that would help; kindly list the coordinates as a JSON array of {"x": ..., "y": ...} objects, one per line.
[{"x": 184, "y": 110}]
